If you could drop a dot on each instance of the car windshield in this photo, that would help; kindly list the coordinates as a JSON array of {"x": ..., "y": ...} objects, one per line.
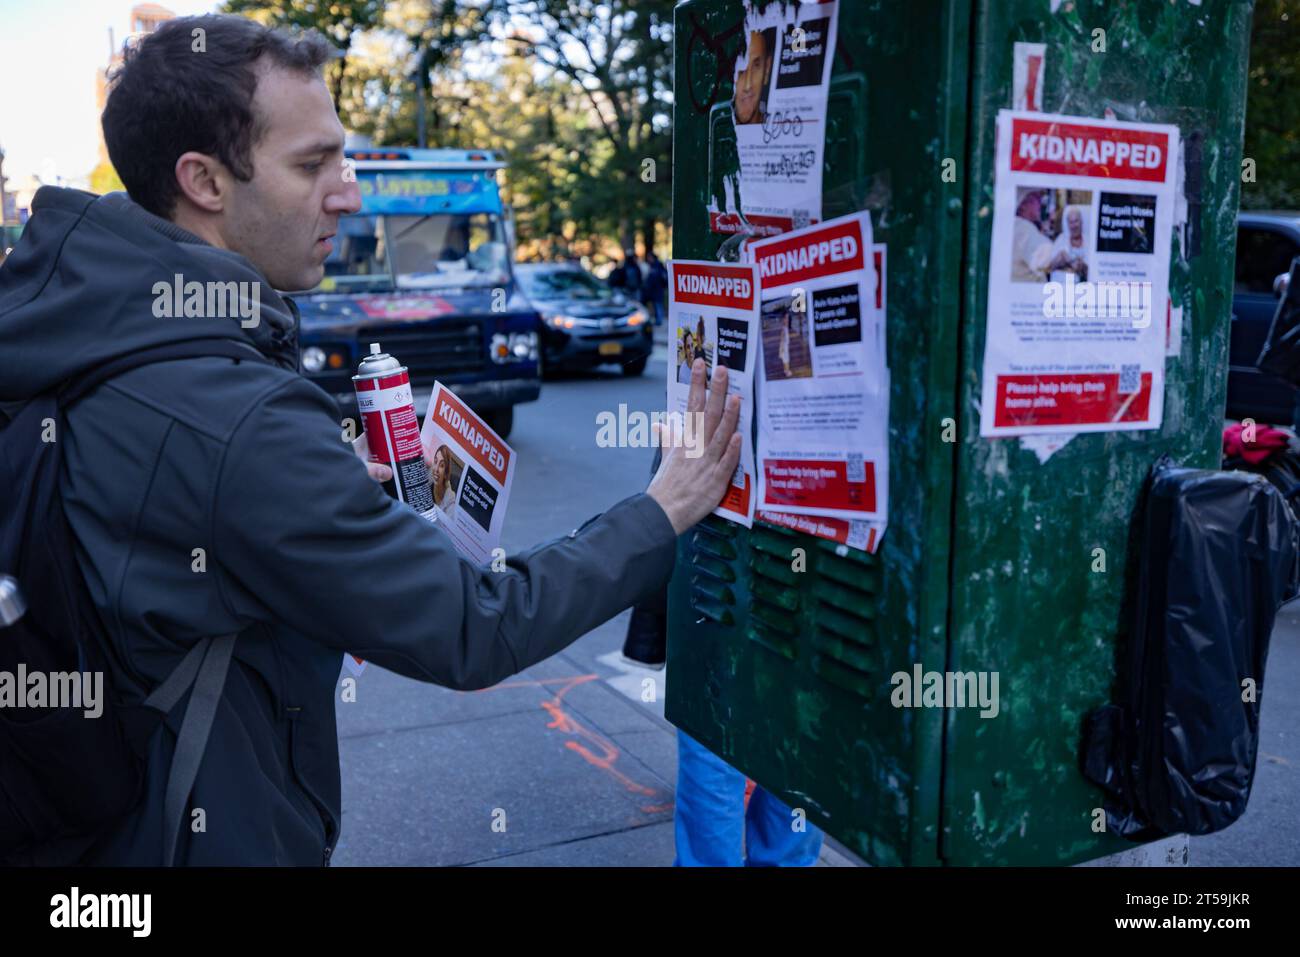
[
  {"x": 563, "y": 284},
  {"x": 439, "y": 251}
]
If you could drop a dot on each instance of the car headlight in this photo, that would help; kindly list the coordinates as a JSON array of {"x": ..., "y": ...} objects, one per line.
[
  {"x": 313, "y": 359},
  {"x": 636, "y": 318},
  {"x": 325, "y": 359},
  {"x": 523, "y": 345},
  {"x": 517, "y": 347},
  {"x": 560, "y": 321}
]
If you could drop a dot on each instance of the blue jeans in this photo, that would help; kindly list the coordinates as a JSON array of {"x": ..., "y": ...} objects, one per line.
[{"x": 711, "y": 818}]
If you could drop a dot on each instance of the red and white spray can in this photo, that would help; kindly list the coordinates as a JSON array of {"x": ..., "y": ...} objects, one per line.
[{"x": 387, "y": 408}]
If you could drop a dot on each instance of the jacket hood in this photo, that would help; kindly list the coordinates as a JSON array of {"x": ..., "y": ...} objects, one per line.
[{"x": 95, "y": 277}]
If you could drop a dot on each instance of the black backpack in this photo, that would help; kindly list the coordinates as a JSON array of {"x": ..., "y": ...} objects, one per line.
[
  {"x": 64, "y": 775},
  {"x": 1176, "y": 751}
]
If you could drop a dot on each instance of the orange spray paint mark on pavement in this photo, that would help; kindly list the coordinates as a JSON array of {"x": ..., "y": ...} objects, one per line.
[{"x": 592, "y": 746}]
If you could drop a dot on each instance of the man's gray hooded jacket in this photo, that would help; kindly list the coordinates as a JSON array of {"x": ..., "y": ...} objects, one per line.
[{"x": 303, "y": 555}]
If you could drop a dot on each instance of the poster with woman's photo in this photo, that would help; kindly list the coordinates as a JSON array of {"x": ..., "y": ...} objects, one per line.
[
  {"x": 470, "y": 469},
  {"x": 781, "y": 83},
  {"x": 713, "y": 316},
  {"x": 1053, "y": 234}
]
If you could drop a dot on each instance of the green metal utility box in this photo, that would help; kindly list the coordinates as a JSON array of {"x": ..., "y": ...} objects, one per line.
[{"x": 990, "y": 562}]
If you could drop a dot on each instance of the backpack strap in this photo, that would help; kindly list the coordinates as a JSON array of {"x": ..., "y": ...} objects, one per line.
[
  {"x": 204, "y": 669},
  {"x": 78, "y": 388}
]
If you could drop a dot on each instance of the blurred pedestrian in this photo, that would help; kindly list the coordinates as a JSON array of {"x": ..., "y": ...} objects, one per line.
[
  {"x": 617, "y": 279},
  {"x": 635, "y": 279},
  {"x": 656, "y": 284},
  {"x": 627, "y": 275}
]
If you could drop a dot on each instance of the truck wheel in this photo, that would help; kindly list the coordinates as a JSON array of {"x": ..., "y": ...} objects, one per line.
[
  {"x": 636, "y": 366},
  {"x": 500, "y": 420}
]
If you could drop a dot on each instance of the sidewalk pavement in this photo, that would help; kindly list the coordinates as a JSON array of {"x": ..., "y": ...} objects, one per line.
[
  {"x": 562, "y": 765},
  {"x": 577, "y": 771}
]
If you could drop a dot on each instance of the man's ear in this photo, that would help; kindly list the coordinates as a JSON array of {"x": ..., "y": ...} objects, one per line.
[{"x": 202, "y": 180}]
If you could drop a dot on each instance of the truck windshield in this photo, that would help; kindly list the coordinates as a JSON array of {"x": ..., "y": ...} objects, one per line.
[{"x": 438, "y": 251}]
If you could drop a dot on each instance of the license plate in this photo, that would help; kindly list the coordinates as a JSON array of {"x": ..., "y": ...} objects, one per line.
[{"x": 611, "y": 348}]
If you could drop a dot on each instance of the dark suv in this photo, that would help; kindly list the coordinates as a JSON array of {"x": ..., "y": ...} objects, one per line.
[
  {"x": 1266, "y": 244},
  {"x": 584, "y": 321}
]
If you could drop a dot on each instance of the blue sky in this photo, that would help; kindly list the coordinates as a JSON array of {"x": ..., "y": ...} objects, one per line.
[{"x": 49, "y": 52}]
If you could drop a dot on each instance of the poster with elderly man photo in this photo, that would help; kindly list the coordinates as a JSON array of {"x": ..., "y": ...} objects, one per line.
[{"x": 1078, "y": 280}]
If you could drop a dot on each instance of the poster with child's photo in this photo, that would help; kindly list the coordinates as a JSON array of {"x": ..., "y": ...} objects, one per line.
[{"x": 785, "y": 341}]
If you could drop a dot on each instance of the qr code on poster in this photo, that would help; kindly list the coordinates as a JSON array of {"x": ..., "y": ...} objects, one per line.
[
  {"x": 859, "y": 535},
  {"x": 1129, "y": 379},
  {"x": 738, "y": 476},
  {"x": 801, "y": 218},
  {"x": 857, "y": 471}
]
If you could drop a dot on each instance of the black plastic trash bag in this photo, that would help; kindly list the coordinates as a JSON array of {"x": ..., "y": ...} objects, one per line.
[{"x": 1217, "y": 558}]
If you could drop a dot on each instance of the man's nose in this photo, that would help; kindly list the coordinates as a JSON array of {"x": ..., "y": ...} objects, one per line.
[{"x": 346, "y": 199}]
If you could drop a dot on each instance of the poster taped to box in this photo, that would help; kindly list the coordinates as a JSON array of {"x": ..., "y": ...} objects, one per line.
[
  {"x": 1078, "y": 283},
  {"x": 782, "y": 84},
  {"x": 823, "y": 394},
  {"x": 854, "y": 533},
  {"x": 713, "y": 315}
]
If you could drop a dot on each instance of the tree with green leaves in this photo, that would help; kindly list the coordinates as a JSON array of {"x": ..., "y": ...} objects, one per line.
[
  {"x": 1273, "y": 107},
  {"x": 618, "y": 55},
  {"x": 338, "y": 21}
]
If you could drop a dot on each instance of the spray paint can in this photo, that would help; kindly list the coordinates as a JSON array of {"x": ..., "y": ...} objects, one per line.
[{"x": 392, "y": 429}]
